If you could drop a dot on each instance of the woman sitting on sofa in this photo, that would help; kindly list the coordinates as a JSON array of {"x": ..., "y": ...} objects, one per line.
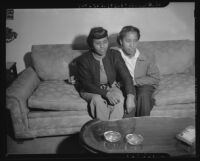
[
  {"x": 145, "y": 74},
  {"x": 97, "y": 73}
]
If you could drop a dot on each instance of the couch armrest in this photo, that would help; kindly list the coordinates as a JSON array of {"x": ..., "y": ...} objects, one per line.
[
  {"x": 17, "y": 95},
  {"x": 19, "y": 119}
]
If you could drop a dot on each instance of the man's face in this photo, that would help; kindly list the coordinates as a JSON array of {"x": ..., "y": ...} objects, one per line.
[
  {"x": 101, "y": 45},
  {"x": 129, "y": 42}
]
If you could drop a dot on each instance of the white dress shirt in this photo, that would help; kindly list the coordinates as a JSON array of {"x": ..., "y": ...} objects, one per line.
[{"x": 130, "y": 62}]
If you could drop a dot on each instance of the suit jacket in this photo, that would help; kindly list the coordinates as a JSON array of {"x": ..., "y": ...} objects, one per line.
[
  {"x": 146, "y": 72},
  {"x": 114, "y": 65}
]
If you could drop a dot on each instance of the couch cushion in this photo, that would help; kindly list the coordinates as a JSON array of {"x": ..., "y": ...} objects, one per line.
[
  {"x": 175, "y": 88},
  {"x": 56, "y": 95},
  {"x": 44, "y": 114},
  {"x": 51, "y": 62},
  {"x": 173, "y": 56},
  {"x": 52, "y": 122}
]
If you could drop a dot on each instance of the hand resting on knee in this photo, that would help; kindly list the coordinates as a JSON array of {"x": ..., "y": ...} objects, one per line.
[{"x": 112, "y": 98}]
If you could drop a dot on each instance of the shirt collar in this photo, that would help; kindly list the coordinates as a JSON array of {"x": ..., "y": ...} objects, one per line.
[
  {"x": 140, "y": 57},
  {"x": 137, "y": 54}
]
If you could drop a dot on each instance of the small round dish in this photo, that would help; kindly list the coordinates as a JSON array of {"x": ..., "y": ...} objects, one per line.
[
  {"x": 134, "y": 139},
  {"x": 112, "y": 136}
]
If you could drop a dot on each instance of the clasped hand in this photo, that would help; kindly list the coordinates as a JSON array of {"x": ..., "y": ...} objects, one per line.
[{"x": 112, "y": 98}]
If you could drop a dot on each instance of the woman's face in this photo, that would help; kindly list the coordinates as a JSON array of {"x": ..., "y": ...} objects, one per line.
[
  {"x": 129, "y": 43},
  {"x": 100, "y": 46}
]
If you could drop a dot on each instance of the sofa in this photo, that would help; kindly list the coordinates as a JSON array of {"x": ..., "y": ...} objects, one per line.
[{"x": 43, "y": 102}]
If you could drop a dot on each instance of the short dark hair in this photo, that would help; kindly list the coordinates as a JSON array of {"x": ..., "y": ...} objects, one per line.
[
  {"x": 96, "y": 33},
  {"x": 125, "y": 30}
]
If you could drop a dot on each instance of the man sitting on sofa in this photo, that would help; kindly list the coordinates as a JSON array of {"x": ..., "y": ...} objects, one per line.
[
  {"x": 145, "y": 74},
  {"x": 97, "y": 73}
]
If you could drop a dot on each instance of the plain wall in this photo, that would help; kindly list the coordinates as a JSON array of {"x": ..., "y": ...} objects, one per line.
[{"x": 62, "y": 26}]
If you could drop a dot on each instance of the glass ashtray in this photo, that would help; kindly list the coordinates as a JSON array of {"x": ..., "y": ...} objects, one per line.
[
  {"x": 134, "y": 139},
  {"x": 112, "y": 136}
]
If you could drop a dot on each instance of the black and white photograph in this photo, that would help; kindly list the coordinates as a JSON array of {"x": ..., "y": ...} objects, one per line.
[{"x": 101, "y": 81}]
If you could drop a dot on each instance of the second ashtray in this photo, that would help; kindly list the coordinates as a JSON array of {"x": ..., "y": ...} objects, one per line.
[{"x": 134, "y": 139}]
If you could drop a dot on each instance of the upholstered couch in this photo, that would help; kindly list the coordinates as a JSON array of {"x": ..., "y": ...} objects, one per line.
[{"x": 42, "y": 102}]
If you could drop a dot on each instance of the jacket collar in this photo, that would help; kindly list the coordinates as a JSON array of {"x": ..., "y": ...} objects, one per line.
[{"x": 96, "y": 58}]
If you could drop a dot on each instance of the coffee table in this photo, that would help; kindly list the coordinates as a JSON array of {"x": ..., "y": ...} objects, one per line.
[{"x": 158, "y": 133}]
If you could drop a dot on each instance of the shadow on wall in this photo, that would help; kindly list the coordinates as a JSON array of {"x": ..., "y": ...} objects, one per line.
[
  {"x": 80, "y": 43},
  {"x": 27, "y": 59},
  {"x": 113, "y": 40}
]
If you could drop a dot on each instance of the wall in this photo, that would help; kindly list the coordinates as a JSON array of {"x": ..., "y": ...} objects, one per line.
[{"x": 62, "y": 26}]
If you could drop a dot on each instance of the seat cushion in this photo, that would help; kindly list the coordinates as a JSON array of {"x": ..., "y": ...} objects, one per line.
[
  {"x": 50, "y": 114},
  {"x": 56, "y": 95},
  {"x": 175, "y": 89},
  {"x": 56, "y": 120}
]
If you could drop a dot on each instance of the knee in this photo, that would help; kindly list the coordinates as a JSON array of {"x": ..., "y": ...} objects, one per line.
[
  {"x": 142, "y": 93},
  {"x": 145, "y": 90},
  {"x": 97, "y": 98},
  {"x": 121, "y": 98}
]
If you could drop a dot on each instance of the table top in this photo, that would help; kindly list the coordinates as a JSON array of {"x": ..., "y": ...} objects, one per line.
[{"x": 159, "y": 135}]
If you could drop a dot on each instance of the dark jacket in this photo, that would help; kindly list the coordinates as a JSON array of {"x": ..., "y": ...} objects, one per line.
[{"x": 89, "y": 75}]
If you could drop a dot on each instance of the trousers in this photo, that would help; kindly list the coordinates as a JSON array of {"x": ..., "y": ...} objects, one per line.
[
  {"x": 144, "y": 101},
  {"x": 101, "y": 109}
]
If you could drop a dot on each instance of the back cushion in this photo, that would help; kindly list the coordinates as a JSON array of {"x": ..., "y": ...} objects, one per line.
[
  {"x": 174, "y": 56},
  {"x": 51, "y": 62},
  {"x": 171, "y": 56}
]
